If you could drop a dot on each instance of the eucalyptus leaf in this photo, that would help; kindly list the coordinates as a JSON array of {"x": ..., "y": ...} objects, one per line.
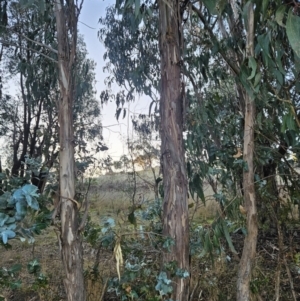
[
  {"x": 264, "y": 6},
  {"x": 15, "y": 268},
  {"x": 6, "y": 234},
  {"x": 164, "y": 285},
  {"x": 17, "y": 196},
  {"x": 245, "y": 12},
  {"x": 31, "y": 190},
  {"x": 4, "y": 199},
  {"x": 257, "y": 79},
  {"x": 34, "y": 266},
  {"x": 32, "y": 202},
  {"x": 137, "y": 7},
  {"x": 227, "y": 236},
  {"x": 211, "y": 6},
  {"x": 280, "y": 15},
  {"x": 21, "y": 208},
  {"x": 253, "y": 65},
  {"x": 3, "y": 218},
  {"x": 293, "y": 31}
]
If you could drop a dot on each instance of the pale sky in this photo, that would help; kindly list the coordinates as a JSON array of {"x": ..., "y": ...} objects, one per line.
[{"x": 114, "y": 132}]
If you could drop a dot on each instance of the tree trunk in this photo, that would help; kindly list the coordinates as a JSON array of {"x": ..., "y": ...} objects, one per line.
[
  {"x": 249, "y": 250},
  {"x": 175, "y": 207},
  {"x": 70, "y": 242}
]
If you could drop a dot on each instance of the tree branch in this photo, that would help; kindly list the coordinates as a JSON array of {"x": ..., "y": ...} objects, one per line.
[
  {"x": 234, "y": 68},
  {"x": 27, "y": 48},
  {"x": 33, "y": 41}
]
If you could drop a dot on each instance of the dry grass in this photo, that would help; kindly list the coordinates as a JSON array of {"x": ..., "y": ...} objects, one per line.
[{"x": 110, "y": 195}]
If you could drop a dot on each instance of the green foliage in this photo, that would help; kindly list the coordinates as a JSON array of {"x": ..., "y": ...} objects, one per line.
[
  {"x": 23, "y": 211},
  {"x": 136, "y": 63},
  {"x": 142, "y": 276},
  {"x": 34, "y": 267},
  {"x": 8, "y": 276},
  {"x": 293, "y": 31},
  {"x": 17, "y": 206},
  {"x": 164, "y": 285},
  {"x": 211, "y": 6},
  {"x": 208, "y": 241},
  {"x": 22, "y": 214},
  {"x": 32, "y": 115},
  {"x": 215, "y": 95}
]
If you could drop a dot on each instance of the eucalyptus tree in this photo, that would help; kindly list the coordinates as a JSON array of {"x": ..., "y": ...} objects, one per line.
[
  {"x": 29, "y": 119},
  {"x": 53, "y": 35},
  {"x": 135, "y": 66},
  {"x": 172, "y": 108},
  {"x": 26, "y": 60},
  {"x": 133, "y": 44},
  {"x": 225, "y": 81},
  {"x": 261, "y": 61},
  {"x": 67, "y": 13}
]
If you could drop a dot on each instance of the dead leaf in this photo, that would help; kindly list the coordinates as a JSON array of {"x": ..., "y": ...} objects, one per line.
[{"x": 238, "y": 154}]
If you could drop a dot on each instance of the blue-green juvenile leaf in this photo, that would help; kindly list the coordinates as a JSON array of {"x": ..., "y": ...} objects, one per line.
[
  {"x": 21, "y": 208},
  {"x": 34, "y": 266},
  {"x": 32, "y": 202},
  {"x": 31, "y": 190},
  {"x": 168, "y": 243},
  {"x": 15, "y": 268},
  {"x": 6, "y": 234},
  {"x": 293, "y": 31},
  {"x": 4, "y": 198},
  {"x": 17, "y": 196},
  {"x": 182, "y": 273},
  {"x": 3, "y": 218},
  {"x": 164, "y": 285}
]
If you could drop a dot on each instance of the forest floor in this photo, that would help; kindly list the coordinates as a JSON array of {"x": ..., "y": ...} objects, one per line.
[{"x": 277, "y": 269}]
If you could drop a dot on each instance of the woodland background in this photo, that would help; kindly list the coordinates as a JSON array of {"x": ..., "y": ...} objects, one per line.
[{"x": 205, "y": 203}]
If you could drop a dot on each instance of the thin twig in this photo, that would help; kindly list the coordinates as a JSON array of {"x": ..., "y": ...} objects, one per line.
[
  {"x": 86, "y": 25},
  {"x": 290, "y": 279},
  {"x": 70, "y": 199},
  {"x": 104, "y": 290},
  {"x": 34, "y": 50},
  {"x": 200, "y": 294},
  {"x": 278, "y": 270},
  {"x": 193, "y": 291},
  {"x": 28, "y": 39}
]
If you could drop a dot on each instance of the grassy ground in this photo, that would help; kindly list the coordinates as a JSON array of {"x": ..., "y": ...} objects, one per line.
[{"x": 110, "y": 196}]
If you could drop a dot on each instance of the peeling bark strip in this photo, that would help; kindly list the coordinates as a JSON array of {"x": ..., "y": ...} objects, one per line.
[
  {"x": 175, "y": 208},
  {"x": 70, "y": 242},
  {"x": 249, "y": 250}
]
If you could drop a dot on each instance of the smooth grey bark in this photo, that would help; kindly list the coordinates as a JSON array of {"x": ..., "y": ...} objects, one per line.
[
  {"x": 70, "y": 241},
  {"x": 249, "y": 250}
]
